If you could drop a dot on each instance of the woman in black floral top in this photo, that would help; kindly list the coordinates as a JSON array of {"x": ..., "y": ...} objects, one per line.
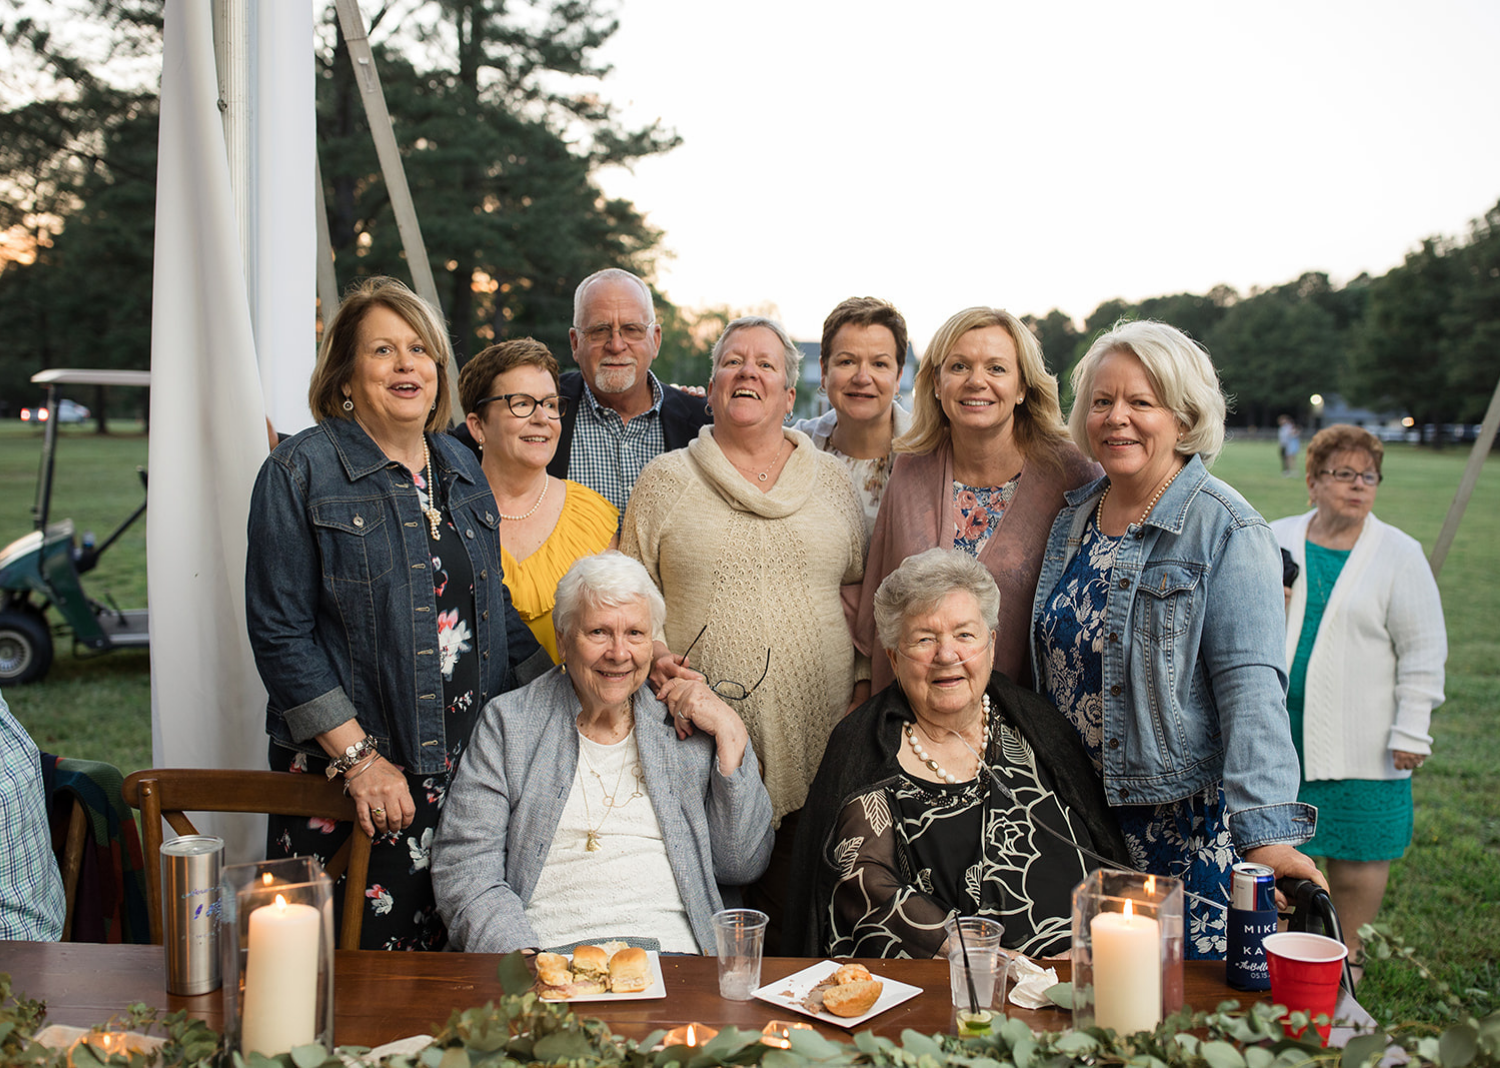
[{"x": 375, "y": 605}]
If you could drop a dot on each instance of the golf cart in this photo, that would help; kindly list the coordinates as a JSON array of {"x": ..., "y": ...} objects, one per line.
[{"x": 45, "y": 567}]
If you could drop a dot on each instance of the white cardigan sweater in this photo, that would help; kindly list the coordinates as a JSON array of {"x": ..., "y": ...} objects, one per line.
[{"x": 1376, "y": 669}]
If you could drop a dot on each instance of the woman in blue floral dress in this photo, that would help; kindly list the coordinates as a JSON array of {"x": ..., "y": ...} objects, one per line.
[{"x": 1157, "y": 629}]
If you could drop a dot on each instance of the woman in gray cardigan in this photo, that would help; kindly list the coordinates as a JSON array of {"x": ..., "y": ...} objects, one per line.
[{"x": 585, "y": 807}]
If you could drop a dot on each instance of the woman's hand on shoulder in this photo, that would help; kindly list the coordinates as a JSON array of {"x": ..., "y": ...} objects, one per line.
[
  {"x": 382, "y": 800},
  {"x": 1287, "y": 863},
  {"x": 694, "y": 705}
]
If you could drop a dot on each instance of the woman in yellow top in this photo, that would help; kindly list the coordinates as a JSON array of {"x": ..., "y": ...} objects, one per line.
[{"x": 509, "y": 392}]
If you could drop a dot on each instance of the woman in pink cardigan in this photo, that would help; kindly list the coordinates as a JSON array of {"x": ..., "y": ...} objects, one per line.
[{"x": 983, "y": 469}]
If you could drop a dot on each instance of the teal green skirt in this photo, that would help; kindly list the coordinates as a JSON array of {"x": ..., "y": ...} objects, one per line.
[{"x": 1359, "y": 819}]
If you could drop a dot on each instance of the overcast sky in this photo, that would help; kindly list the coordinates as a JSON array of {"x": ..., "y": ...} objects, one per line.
[{"x": 1038, "y": 155}]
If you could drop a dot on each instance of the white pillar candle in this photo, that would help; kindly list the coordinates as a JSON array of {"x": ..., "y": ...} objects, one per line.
[
  {"x": 281, "y": 978},
  {"x": 1127, "y": 971}
]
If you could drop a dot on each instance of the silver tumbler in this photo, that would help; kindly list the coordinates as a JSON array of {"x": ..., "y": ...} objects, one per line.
[{"x": 190, "y": 912}]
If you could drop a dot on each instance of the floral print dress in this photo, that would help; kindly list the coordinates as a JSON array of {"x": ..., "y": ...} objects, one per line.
[
  {"x": 1188, "y": 838},
  {"x": 977, "y": 512},
  {"x": 400, "y": 910}
]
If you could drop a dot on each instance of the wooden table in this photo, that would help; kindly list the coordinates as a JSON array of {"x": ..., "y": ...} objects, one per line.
[{"x": 381, "y": 997}]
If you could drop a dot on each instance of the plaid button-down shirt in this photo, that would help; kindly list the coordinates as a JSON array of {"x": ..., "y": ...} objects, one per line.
[
  {"x": 31, "y": 890},
  {"x": 608, "y": 453}
]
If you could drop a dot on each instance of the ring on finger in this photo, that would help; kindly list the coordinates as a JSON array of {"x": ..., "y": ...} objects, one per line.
[{"x": 377, "y": 812}]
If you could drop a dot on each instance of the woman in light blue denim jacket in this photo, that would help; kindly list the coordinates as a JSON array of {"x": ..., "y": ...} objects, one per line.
[
  {"x": 374, "y": 601},
  {"x": 1158, "y": 628}
]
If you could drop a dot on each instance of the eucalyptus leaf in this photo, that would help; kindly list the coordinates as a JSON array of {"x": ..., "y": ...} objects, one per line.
[
  {"x": 1458, "y": 1045},
  {"x": 561, "y": 1046},
  {"x": 454, "y": 1057},
  {"x": 809, "y": 1043},
  {"x": 1362, "y": 1049},
  {"x": 309, "y": 1056},
  {"x": 1077, "y": 1043},
  {"x": 515, "y": 977},
  {"x": 1061, "y": 995},
  {"x": 1220, "y": 1054},
  {"x": 919, "y": 1044}
]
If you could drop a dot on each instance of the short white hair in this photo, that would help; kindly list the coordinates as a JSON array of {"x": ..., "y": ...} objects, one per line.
[
  {"x": 925, "y": 579},
  {"x": 610, "y": 580},
  {"x": 609, "y": 274},
  {"x": 791, "y": 355},
  {"x": 1181, "y": 374}
]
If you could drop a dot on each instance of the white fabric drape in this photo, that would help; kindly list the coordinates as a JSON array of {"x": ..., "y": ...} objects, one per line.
[{"x": 208, "y": 436}]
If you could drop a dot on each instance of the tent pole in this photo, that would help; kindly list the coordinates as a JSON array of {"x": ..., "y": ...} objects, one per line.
[
  {"x": 353, "y": 25},
  {"x": 328, "y": 282},
  {"x": 1466, "y": 485}
]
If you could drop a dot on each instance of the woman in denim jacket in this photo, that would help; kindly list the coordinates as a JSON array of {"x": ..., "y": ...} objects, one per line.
[
  {"x": 1158, "y": 628},
  {"x": 374, "y": 601}
]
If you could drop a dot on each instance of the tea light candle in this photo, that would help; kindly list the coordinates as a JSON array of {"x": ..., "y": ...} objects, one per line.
[
  {"x": 281, "y": 978},
  {"x": 693, "y": 1034},
  {"x": 1127, "y": 971}
]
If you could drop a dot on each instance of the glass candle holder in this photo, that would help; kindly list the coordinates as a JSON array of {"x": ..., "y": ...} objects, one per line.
[
  {"x": 277, "y": 943},
  {"x": 1127, "y": 950}
]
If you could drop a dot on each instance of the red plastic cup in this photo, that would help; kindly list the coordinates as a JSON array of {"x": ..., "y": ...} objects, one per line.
[{"x": 1305, "y": 971}]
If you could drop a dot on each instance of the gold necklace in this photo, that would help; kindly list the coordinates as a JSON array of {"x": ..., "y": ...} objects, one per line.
[
  {"x": 607, "y": 797},
  {"x": 767, "y": 472}
]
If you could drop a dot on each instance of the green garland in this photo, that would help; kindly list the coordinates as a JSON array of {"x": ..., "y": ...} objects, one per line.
[{"x": 521, "y": 1031}]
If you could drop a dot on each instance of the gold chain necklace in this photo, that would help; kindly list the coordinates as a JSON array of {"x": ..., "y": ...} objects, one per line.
[{"x": 607, "y": 797}]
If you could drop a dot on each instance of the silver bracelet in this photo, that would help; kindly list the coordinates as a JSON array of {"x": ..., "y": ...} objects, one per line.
[
  {"x": 360, "y": 772},
  {"x": 352, "y": 756}
]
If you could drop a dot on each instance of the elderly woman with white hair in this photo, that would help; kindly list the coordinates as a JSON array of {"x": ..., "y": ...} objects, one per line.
[
  {"x": 953, "y": 792},
  {"x": 750, "y": 532},
  {"x": 1158, "y": 628},
  {"x": 578, "y": 814}
]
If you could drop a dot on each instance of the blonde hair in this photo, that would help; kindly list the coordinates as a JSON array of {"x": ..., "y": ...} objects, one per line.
[
  {"x": 1182, "y": 377},
  {"x": 335, "y": 366},
  {"x": 1037, "y": 423}
]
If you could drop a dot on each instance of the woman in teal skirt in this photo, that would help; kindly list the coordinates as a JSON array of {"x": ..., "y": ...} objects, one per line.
[{"x": 1365, "y": 647}]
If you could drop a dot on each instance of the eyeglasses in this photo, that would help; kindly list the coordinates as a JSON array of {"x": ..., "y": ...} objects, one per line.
[
  {"x": 732, "y": 691},
  {"x": 632, "y": 333},
  {"x": 523, "y": 404},
  {"x": 1348, "y": 474}
]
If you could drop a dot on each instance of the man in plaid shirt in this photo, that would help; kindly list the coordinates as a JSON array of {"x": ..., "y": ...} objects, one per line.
[
  {"x": 31, "y": 890},
  {"x": 618, "y": 417}
]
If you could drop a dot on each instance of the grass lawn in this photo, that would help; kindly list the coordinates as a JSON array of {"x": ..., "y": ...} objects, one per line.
[{"x": 1442, "y": 896}]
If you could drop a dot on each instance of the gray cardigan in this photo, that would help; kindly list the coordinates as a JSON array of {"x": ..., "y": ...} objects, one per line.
[{"x": 508, "y": 795}]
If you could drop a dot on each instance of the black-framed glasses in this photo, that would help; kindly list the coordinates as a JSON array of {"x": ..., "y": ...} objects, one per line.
[
  {"x": 727, "y": 688},
  {"x": 1348, "y": 474},
  {"x": 632, "y": 333},
  {"x": 523, "y": 404}
]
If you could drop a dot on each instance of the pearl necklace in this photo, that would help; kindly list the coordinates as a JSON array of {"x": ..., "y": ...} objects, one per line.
[
  {"x": 434, "y": 515},
  {"x": 546, "y": 481},
  {"x": 1099, "y": 510},
  {"x": 933, "y": 765}
]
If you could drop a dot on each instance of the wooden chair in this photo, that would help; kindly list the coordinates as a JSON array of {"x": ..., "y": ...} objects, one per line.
[{"x": 169, "y": 793}]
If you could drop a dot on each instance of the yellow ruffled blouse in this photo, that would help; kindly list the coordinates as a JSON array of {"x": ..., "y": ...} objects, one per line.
[{"x": 585, "y": 527}]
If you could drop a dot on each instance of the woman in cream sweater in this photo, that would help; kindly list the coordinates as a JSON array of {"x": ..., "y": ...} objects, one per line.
[
  {"x": 1365, "y": 646},
  {"x": 749, "y": 532}
]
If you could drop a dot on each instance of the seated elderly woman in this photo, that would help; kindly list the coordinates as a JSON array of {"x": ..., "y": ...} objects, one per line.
[
  {"x": 912, "y": 827},
  {"x": 578, "y": 813}
]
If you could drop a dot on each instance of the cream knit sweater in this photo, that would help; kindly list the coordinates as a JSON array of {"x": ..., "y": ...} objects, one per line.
[
  {"x": 763, "y": 570},
  {"x": 1376, "y": 669}
]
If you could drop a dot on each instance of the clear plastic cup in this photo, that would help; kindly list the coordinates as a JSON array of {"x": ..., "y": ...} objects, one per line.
[
  {"x": 741, "y": 937},
  {"x": 987, "y": 964}
]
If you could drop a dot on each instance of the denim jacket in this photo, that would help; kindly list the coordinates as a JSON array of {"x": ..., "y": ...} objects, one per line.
[
  {"x": 1194, "y": 662},
  {"x": 339, "y": 599}
]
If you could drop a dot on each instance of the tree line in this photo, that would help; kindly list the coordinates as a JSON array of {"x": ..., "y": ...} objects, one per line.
[{"x": 503, "y": 133}]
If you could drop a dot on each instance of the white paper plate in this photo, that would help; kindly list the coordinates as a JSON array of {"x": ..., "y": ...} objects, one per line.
[
  {"x": 789, "y": 992},
  {"x": 657, "y": 989}
]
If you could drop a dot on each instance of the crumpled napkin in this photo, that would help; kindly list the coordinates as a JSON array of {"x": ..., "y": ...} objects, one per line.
[{"x": 1030, "y": 983}]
